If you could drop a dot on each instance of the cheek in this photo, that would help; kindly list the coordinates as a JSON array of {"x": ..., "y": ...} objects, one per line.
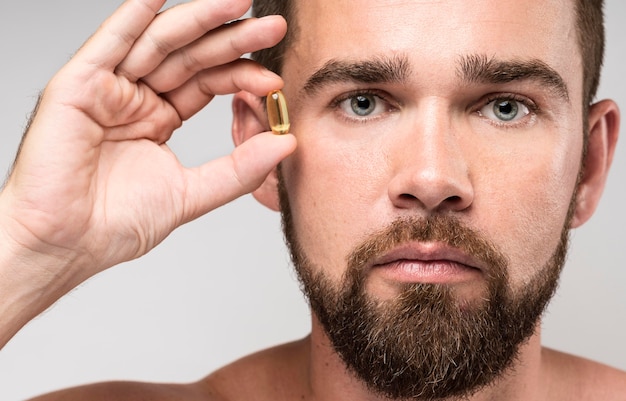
[
  {"x": 534, "y": 193},
  {"x": 332, "y": 192}
]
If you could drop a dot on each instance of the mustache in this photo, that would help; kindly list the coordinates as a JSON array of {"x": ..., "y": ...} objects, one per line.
[{"x": 444, "y": 229}]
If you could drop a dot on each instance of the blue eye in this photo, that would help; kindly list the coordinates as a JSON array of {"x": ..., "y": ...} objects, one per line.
[
  {"x": 505, "y": 110},
  {"x": 363, "y": 105}
]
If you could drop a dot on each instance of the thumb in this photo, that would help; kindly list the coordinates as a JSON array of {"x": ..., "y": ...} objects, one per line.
[{"x": 225, "y": 179}]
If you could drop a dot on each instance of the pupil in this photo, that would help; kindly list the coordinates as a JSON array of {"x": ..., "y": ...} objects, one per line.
[
  {"x": 362, "y": 102},
  {"x": 362, "y": 105},
  {"x": 506, "y": 110}
]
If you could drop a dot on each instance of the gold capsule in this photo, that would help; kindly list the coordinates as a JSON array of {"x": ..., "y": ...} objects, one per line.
[{"x": 277, "y": 112}]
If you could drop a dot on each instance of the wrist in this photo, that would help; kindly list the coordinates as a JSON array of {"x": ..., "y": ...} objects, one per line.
[{"x": 32, "y": 278}]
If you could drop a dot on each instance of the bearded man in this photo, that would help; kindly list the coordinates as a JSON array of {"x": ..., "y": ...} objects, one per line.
[{"x": 444, "y": 151}]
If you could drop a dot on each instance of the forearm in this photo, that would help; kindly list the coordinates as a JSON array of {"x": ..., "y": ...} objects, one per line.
[{"x": 20, "y": 301}]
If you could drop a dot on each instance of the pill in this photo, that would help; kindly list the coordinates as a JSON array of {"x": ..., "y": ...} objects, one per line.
[{"x": 277, "y": 112}]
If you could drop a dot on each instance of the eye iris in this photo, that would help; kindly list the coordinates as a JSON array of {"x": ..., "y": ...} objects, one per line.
[
  {"x": 363, "y": 105},
  {"x": 505, "y": 110}
]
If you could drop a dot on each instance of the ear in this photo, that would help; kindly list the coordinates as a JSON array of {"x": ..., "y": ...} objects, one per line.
[
  {"x": 604, "y": 119},
  {"x": 249, "y": 119}
]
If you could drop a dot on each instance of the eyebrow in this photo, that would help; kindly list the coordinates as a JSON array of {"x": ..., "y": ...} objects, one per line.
[
  {"x": 470, "y": 68},
  {"x": 378, "y": 70},
  {"x": 484, "y": 70}
]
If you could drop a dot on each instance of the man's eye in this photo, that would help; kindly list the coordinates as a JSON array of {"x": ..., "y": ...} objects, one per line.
[
  {"x": 504, "y": 110},
  {"x": 362, "y": 105}
]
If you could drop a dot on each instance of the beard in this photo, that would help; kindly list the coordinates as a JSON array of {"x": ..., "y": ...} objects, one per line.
[{"x": 425, "y": 343}]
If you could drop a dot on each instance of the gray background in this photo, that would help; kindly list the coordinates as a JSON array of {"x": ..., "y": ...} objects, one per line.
[{"x": 221, "y": 287}]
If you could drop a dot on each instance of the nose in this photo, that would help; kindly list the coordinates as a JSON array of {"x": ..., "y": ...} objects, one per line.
[{"x": 429, "y": 164}]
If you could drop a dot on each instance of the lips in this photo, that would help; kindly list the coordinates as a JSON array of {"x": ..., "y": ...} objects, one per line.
[
  {"x": 428, "y": 262},
  {"x": 427, "y": 252}
]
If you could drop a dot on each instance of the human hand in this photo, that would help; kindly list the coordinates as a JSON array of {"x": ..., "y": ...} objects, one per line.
[{"x": 95, "y": 183}]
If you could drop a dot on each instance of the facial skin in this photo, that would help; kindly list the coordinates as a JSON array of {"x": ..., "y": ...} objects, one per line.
[
  {"x": 433, "y": 145},
  {"x": 428, "y": 150}
]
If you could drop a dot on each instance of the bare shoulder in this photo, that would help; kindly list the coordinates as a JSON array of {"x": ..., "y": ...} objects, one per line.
[
  {"x": 583, "y": 379},
  {"x": 126, "y": 391},
  {"x": 273, "y": 374},
  {"x": 252, "y": 377}
]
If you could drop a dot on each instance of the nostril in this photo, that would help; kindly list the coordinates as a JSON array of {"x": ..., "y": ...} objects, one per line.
[
  {"x": 450, "y": 199},
  {"x": 408, "y": 200},
  {"x": 408, "y": 197}
]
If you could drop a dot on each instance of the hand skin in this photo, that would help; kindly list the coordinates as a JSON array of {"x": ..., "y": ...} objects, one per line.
[{"x": 94, "y": 183}]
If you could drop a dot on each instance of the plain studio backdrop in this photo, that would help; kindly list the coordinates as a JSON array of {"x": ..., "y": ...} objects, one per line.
[{"x": 222, "y": 287}]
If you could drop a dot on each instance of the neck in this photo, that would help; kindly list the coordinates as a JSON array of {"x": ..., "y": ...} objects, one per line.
[{"x": 330, "y": 379}]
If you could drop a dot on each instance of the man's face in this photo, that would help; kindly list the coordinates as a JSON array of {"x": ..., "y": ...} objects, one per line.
[{"x": 454, "y": 113}]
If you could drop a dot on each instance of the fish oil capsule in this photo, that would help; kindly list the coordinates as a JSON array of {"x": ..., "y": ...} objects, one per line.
[{"x": 277, "y": 112}]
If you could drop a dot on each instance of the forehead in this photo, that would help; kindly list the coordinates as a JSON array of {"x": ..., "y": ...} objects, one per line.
[{"x": 434, "y": 33}]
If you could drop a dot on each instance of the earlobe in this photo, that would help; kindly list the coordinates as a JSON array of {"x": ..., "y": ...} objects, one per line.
[
  {"x": 249, "y": 119},
  {"x": 604, "y": 120}
]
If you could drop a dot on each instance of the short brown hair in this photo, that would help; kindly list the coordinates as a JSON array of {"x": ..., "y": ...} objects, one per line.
[
  {"x": 272, "y": 58},
  {"x": 589, "y": 18},
  {"x": 590, "y": 21}
]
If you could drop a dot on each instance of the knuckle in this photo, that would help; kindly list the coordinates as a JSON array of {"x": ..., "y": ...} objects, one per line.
[
  {"x": 161, "y": 46},
  {"x": 190, "y": 61}
]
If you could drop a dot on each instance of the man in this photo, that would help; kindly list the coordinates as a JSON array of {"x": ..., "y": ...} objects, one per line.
[{"x": 427, "y": 204}]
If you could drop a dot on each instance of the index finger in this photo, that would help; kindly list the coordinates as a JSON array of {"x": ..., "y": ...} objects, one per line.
[
  {"x": 175, "y": 28},
  {"x": 117, "y": 35}
]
